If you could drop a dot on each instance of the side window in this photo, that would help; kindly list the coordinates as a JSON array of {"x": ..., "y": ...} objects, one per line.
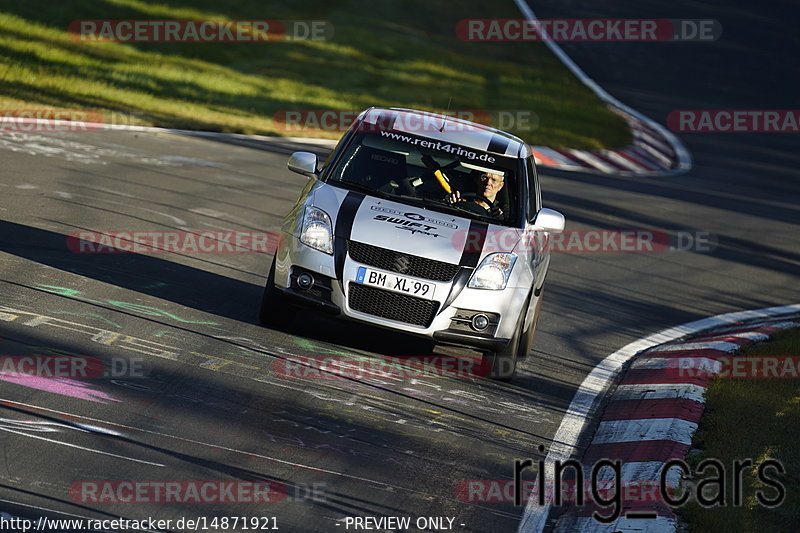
[{"x": 534, "y": 194}]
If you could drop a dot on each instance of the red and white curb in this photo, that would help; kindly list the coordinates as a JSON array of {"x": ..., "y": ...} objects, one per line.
[
  {"x": 651, "y": 417},
  {"x": 649, "y": 155},
  {"x": 652, "y": 414},
  {"x": 655, "y": 151}
]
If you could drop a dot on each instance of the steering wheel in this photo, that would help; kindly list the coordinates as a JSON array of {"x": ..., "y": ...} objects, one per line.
[
  {"x": 475, "y": 207},
  {"x": 478, "y": 198}
]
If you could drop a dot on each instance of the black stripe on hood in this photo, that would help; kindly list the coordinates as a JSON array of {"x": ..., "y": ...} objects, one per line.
[
  {"x": 473, "y": 245},
  {"x": 343, "y": 229}
]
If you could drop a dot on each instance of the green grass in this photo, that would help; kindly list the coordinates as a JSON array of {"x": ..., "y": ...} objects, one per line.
[
  {"x": 388, "y": 53},
  {"x": 757, "y": 419}
]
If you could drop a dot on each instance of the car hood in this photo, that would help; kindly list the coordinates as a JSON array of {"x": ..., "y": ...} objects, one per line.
[{"x": 411, "y": 229}]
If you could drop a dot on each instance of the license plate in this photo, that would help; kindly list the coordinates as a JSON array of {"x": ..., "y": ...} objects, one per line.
[{"x": 392, "y": 282}]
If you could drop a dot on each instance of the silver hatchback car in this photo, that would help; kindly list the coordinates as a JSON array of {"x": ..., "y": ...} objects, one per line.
[{"x": 420, "y": 223}]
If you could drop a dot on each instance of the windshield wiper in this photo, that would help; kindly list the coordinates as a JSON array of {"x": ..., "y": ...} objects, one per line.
[
  {"x": 450, "y": 208},
  {"x": 418, "y": 199},
  {"x": 354, "y": 185}
]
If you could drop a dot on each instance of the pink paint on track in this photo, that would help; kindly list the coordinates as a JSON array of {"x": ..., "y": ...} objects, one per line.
[{"x": 63, "y": 386}]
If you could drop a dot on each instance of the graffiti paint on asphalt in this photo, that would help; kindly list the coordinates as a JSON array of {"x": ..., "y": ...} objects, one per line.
[{"x": 128, "y": 306}]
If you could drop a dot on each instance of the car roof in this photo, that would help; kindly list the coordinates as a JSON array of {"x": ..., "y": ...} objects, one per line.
[{"x": 447, "y": 128}]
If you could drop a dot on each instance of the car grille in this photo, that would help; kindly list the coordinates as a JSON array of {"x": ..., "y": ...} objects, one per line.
[
  {"x": 410, "y": 265},
  {"x": 392, "y": 305}
]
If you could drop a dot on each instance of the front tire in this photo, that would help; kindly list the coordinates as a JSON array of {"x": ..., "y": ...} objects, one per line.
[
  {"x": 526, "y": 339},
  {"x": 275, "y": 311},
  {"x": 502, "y": 365}
]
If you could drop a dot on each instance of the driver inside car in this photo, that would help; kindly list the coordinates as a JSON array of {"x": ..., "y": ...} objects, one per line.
[{"x": 487, "y": 185}]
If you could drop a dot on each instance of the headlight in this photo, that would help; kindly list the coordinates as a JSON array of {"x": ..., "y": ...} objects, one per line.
[
  {"x": 317, "y": 232},
  {"x": 493, "y": 272}
]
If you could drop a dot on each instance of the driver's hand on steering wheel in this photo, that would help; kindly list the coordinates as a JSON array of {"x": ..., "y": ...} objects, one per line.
[{"x": 453, "y": 197}]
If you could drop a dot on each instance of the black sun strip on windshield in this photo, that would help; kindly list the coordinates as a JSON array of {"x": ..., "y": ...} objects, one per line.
[
  {"x": 498, "y": 144},
  {"x": 386, "y": 121}
]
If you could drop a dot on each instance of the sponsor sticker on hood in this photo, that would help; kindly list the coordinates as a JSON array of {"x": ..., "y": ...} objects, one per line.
[{"x": 409, "y": 229}]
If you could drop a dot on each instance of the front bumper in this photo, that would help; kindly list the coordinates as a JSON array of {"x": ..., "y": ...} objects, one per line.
[{"x": 448, "y": 323}]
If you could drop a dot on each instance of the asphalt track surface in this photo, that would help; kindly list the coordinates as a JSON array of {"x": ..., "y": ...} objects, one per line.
[{"x": 209, "y": 406}]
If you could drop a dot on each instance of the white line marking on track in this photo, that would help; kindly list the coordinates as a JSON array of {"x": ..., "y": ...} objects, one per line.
[
  {"x": 213, "y": 213},
  {"x": 79, "y": 447},
  {"x": 588, "y": 395},
  {"x": 41, "y": 426}
]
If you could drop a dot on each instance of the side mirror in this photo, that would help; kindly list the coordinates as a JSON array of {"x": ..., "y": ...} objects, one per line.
[
  {"x": 549, "y": 220},
  {"x": 304, "y": 163}
]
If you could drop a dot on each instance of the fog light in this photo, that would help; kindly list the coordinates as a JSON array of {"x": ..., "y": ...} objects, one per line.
[
  {"x": 305, "y": 281},
  {"x": 479, "y": 322}
]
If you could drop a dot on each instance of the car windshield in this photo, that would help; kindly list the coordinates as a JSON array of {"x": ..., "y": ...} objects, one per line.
[{"x": 428, "y": 172}]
